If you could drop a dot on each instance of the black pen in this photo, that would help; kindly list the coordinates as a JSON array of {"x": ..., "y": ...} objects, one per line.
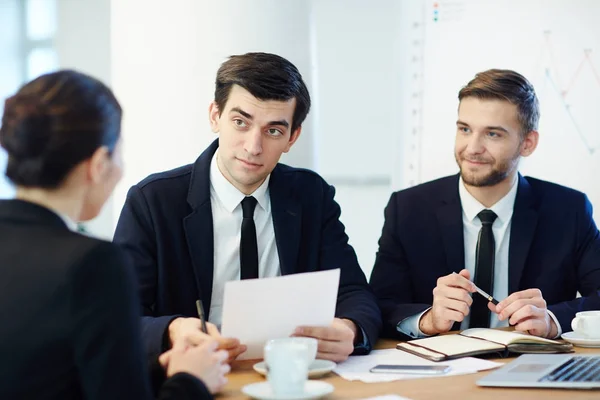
[{"x": 200, "y": 310}]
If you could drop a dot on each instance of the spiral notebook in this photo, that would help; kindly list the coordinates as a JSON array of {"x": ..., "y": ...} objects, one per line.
[{"x": 480, "y": 341}]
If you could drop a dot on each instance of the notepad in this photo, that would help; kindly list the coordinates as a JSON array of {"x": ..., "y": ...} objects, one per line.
[{"x": 479, "y": 341}]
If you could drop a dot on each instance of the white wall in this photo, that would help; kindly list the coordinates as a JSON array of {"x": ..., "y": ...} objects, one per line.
[
  {"x": 82, "y": 42},
  {"x": 10, "y": 71},
  {"x": 356, "y": 122}
]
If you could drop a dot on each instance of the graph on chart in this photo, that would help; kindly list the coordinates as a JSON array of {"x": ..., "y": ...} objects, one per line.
[
  {"x": 584, "y": 78},
  {"x": 555, "y": 44}
]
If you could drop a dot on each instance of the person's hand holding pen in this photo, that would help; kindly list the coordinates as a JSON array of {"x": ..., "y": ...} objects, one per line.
[
  {"x": 195, "y": 331},
  {"x": 451, "y": 302}
]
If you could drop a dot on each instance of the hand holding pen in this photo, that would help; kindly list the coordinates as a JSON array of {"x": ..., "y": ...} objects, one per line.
[
  {"x": 451, "y": 303},
  {"x": 195, "y": 331}
]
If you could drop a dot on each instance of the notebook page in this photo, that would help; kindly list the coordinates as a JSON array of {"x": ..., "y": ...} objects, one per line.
[
  {"x": 504, "y": 337},
  {"x": 452, "y": 345}
]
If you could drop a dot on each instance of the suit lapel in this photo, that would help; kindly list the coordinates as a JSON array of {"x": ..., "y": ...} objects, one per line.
[
  {"x": 449, "y": 216},
  {"x": 287, "y": 220},
  {"x": 524, "y": 222},
  {"x": 198, "y": 226}
]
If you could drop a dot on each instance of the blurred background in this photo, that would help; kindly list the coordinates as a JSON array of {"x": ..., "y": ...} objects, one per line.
[{"x": 383, "y": 74}]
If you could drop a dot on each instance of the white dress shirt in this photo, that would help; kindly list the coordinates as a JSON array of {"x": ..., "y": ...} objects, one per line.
[
  {"x": 471, "y": 227},
  {"x": 225, "y": 201}
]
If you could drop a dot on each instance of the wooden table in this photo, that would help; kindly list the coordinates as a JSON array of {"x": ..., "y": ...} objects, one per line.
[{"x": 461, "y": 387}]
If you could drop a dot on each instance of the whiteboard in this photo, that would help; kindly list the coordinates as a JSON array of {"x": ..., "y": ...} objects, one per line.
[{"x": 554, "y": 43}]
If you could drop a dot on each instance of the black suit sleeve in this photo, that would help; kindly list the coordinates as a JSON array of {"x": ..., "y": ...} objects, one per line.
[
  {"x": 134, "y": 233},
  {"x": 356, "y": 301},
  {"x": 182, "y": 386},
  {"x": 587, "y": 267},
  {"x": 391, "y": 276},
  {"x": 106, "y": 335}
]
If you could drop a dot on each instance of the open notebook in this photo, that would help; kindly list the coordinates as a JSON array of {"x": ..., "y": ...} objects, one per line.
[{"x": 477, "y": 341}]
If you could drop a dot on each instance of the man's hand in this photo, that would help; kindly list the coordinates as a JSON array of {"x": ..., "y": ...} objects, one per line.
[
  {"x": 527, "y": 311},
  {"x": 189, "y": 332},
  {"x": 451, "y": 302},
  {"x": 335, "y": 342}
]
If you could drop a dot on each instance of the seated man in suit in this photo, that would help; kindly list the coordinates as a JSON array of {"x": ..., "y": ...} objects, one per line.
[
  {"x": 237, "y": 212},
  {"x": 531, "y": 244}
]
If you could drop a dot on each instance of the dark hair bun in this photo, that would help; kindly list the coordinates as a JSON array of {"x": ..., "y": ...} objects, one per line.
[
  {"x": 55, "y": 122},
  {"x": 25, "y": 128}
]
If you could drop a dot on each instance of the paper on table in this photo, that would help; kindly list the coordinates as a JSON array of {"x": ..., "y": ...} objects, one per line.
[
  {"x": 357, "y": 367},
  {"x": 256, "y": 310},
  {"x": 387, "y": 397}
]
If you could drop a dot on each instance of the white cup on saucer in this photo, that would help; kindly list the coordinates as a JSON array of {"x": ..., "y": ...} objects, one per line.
[
  {"x": 587, "y": 324},
  {"x": 287, "y": 361}
]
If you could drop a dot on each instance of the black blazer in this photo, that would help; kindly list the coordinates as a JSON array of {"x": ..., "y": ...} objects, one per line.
[
  {"x": 70, "y": 318},
  {"x": 166, "y": 226},
  {"x": 554, "y": 246}
]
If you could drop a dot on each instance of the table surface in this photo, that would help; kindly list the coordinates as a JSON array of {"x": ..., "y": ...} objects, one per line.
[{"x": 461, "y": 387}]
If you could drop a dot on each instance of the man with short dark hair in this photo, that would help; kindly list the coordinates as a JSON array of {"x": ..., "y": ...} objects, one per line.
[
  {"x": 236, "y": 212},
  {"x": 530, "y": 244}
]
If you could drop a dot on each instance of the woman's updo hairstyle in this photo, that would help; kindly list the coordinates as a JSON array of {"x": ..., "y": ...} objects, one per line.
[{"x": 53, "y": 123}]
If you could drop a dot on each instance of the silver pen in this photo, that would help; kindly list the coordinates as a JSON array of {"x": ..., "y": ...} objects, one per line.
[
  {"x": 487, "y": 296},
  {"x": 484, "y": 294}
]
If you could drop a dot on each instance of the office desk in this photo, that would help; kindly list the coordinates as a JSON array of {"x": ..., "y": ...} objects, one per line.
[{"x": 460, "y": 387}]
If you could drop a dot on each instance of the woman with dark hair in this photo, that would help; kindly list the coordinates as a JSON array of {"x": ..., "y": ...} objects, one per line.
[{"x": 69, "y": 316}]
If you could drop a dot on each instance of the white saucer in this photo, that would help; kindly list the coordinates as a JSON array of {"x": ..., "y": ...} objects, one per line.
[
  {"x": 317, "y": 369},
  {"x": 312, "y": 390},
  {"x": 580, "y": 340}
]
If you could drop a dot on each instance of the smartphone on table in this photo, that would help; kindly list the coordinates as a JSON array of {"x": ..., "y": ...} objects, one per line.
[{"x": 411, "y": 369}]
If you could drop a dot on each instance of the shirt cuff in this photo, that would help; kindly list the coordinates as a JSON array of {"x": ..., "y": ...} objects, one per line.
[
  {"x": 558, "y": 327},
  {"x": 410, "y": 326}
]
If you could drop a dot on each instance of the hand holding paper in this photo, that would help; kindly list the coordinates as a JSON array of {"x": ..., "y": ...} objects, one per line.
[
  {"x": 336, "y": 342},
  {"x": 257, "y": 310}
]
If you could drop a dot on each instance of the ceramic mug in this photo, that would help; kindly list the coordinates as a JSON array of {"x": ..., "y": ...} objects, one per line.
[
  {"x": 287, "y": 361},
  {"x": 587, "y": 324}
]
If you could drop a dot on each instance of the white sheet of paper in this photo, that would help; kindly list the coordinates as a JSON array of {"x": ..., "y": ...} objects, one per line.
[
  {"x": 387, "y": 397},
  {"x": 257, "y": 310},
  {"x": 356, "y": 368}
]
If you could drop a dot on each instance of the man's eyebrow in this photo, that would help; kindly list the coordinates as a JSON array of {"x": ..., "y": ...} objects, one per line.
[
  {"x": 281, "y": 122},
  {"x": 496, "y": 128},
  {"x": 240, "y": 111},
  {"x": 487, "y": 128}
]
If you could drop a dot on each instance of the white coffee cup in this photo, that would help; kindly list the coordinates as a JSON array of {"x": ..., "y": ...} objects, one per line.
[
  {"x": 587, "y": 324},
  {"x": 312, "y": 347},
  {"x": 287, "y": 361}
]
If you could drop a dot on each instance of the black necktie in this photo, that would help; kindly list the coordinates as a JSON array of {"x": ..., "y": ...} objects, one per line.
[
  {"x": 248, "y": 244},
  {"x": 484, "y": 270}
]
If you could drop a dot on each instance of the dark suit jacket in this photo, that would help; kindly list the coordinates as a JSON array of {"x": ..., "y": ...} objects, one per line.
[
  {"x": 70, "y": 317},
  {"x": 166, "y": 226},
  {"x": 554, "y": 246}
]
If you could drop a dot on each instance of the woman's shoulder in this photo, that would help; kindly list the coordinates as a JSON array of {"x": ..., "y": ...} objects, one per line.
[{"x": 88, "y": 254}]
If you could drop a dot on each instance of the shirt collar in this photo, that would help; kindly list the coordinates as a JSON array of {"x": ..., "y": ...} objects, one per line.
[
  {"x": 68, "y": 221},
  {"x": 503, "y": 207},
  {"x": 229, "y": 195}
]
